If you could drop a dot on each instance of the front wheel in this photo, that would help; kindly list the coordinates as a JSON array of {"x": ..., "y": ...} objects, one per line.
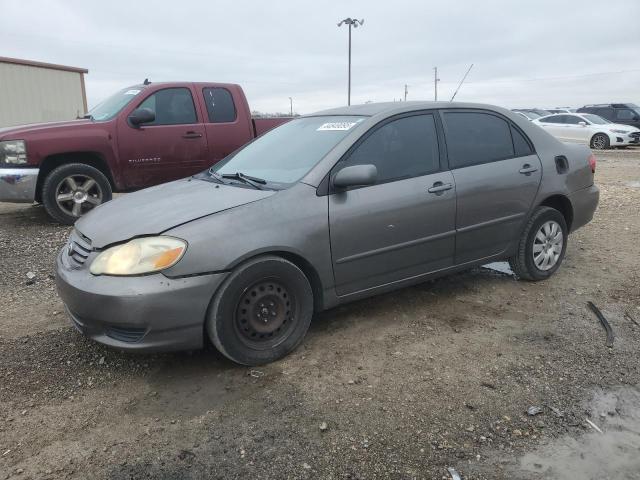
[
  {"x": 262, "y": 311},
  {"x": 600, "y": 141},
  {"x": 542, "y": 245},
  {"x": 71, "y": 190}
]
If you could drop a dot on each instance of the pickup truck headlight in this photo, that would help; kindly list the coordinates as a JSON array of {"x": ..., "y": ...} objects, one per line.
[
  {"x": 139, "y": 256},
  {"x": 13, "y": 152},
  {"x": 619, "y": 131}
]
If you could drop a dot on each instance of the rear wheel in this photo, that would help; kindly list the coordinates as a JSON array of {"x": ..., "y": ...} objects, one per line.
[
  {"x": 600, "y": 141},
  {"x": 262, "y": 311},
  {"x": 72, "y": 190},
  {"x": 542, "y": 245}
]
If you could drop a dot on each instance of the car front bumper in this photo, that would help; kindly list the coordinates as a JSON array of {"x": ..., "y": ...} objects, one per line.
[
  {"x": 18, "y": 185},
  {"x": 150, "y": 313}
]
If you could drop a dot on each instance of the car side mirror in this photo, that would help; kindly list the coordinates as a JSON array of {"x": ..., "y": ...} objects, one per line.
[
  {"x": 356, "y": 176},
  {"x": 582, "y": 124},
  {"x": 141, "y": 115}
]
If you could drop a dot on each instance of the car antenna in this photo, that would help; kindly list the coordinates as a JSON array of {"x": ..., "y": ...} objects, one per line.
[
  {"x": 146, "y": 82},
  {"x": 461, "y": 82}
]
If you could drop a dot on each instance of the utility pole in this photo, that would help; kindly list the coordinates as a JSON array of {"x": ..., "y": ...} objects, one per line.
[
  {"x": 406, "y": 90},
  {"x": 291, "y": 106},
  {"x": 435, "y": 83},
  {"x": 349, "y": 21}
]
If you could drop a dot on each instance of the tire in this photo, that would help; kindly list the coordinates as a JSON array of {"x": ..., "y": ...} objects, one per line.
[
  {"x": 600, "y": 141},
  {"x": 529, "y": 263},
  {"x": 68, "y": 181},
  {"x": 261, "y": 312}
]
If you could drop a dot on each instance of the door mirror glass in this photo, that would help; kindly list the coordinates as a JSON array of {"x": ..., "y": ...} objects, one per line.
[
  {"x": 582, "y": 124},
  {"x": 141, "y": 115},
  {"x": 356, "y": 176}
]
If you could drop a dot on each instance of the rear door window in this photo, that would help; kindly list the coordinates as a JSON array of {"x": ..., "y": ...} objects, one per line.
[
  {"x": 172, "y": 106},
  {"x": 521, "y": 145},
  {"x": 476, "y": 137},
  {"x": 220, "y": 106},
  {"x": 572, "y": 120},
  {"x": 624, "y": 114}
]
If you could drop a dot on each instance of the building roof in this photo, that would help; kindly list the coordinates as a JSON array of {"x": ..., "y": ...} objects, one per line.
[{"x": 52, "y": 66}]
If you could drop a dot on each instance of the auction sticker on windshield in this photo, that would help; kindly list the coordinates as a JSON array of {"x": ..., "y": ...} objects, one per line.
[{"x": 336, "y": 126}]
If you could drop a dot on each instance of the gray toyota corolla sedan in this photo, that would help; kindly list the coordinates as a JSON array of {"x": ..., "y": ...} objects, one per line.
[{"x": 326, "y": 209}]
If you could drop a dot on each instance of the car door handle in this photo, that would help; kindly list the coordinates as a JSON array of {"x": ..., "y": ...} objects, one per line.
[
  {"x": 192, "y": 135},
  {"x": 439, "y": 187},
  {"x": 527, "y": 169}
]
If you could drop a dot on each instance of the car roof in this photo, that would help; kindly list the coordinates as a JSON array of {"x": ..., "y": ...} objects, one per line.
[{"x": 390, "y": 108}]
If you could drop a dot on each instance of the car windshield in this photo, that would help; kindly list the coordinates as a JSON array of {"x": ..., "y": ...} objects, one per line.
[
  {"x": 595, "y": 119},
  {"x": 286, "y": 154},
  {"x": 112, "y": 105}
]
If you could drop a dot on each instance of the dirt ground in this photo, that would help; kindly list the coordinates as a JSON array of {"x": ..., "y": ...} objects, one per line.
[{"x": 401, "y": 386}]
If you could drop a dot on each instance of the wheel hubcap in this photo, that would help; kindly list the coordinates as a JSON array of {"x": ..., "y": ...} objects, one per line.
[
  {"x": 77, "y": 194},
  {"x": 264, "y": 314},
  {"x": 547, "y": 245},
  {"x": 599, "y": 142}
]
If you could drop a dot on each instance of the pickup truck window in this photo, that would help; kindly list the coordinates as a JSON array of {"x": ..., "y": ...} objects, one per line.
[
  {"x": 220, "y": 106},
  {"x": 172, "y": 106},
  {"x": 285, "y": 154},
  {"x": 114, "y": 104}
]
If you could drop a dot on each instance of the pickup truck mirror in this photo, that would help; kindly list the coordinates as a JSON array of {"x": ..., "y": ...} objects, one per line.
[
  {"x": 141, "y": 115},
  {"x": 356, "y": 176}
]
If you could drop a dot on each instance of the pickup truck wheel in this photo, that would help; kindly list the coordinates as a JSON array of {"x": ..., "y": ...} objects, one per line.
[
  {"x": 71, "y": 190},
  {"x": 542, "y": 245},
  {"x": 261, "y": 312}
]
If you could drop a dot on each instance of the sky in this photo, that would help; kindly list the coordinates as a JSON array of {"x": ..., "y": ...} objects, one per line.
[{"x": 542, "y": 53}]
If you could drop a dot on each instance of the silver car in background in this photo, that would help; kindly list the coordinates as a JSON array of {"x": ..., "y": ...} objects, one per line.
[{"x": 326, "y": 209}]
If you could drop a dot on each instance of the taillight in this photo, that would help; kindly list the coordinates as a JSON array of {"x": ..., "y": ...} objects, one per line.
[{"x": 592, "y": 163}]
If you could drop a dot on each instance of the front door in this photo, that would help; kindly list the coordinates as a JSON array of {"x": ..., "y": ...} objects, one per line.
[
  {"x": 403, "y": 226},
  {"x": 497, "y": 175},
  {"x": 171, "y": 147}
]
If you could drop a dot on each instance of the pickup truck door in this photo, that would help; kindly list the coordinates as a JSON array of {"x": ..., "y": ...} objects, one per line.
[
  {"x": 171, "y": 147},
  {"x": 227, "y": 122},
  {"x": 403, "y": 226}
]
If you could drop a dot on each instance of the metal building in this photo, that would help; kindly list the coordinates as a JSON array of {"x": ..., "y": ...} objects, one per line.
[{"x": 33, "y": 92}]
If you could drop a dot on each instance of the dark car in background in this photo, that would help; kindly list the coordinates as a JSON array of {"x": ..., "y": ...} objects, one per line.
[{"x": 625, "y": 113}]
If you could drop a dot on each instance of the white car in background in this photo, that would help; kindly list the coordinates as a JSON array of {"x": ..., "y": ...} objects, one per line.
[{"x": 590, "y": 129}]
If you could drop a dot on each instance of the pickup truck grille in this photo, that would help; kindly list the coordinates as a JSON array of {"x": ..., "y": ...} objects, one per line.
[{"x": 79, "y": 248}]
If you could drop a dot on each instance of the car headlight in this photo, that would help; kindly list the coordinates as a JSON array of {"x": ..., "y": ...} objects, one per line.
[
  {"x": 139, "y": 256},
  {"x": 619, "y": 131},
  {"x": 13, "y": 152}
]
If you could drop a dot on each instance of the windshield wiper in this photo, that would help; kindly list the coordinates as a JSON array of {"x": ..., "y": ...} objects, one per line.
[
  {"x": 216, "y": 176},
  {"x": 248, "y": 179}
]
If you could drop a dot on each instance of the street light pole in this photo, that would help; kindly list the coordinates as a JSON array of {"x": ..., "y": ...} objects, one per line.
[
  {"x": 351, "y": 22},
  {"x": 291, "y": 105}
]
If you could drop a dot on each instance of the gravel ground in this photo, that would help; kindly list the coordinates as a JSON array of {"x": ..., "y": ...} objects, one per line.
[{"x": 401, "y": 386}]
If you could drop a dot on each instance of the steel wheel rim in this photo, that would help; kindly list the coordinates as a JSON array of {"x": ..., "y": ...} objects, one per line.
[
  {"x": 77, "y": 194},
  {"x": 599, "y": 142},
  {"x": 547, "y": 245},
  {"x": 265, "y": 314}
]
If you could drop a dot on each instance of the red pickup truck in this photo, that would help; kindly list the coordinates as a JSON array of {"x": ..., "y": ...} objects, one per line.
[{"x": 141, "y": 136}]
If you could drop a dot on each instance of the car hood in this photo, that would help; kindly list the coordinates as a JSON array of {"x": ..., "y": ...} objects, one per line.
[
  {"x": 19, "y": 131},
  {"x": 622, "y": 126},
  {"x": 160, "y": 208}
]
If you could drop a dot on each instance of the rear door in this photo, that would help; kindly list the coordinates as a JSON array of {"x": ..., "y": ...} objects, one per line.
[
  {"x": 403, "y": 226},
  {"x": 555, "y": 126},
  {"x": 497, "y": 175},
  {"x": 171, "y": 147},
  {"x": 226, "y": 124}
]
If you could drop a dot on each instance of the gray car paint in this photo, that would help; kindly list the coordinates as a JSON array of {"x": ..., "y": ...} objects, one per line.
[{"x": 351, "y": 244}]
